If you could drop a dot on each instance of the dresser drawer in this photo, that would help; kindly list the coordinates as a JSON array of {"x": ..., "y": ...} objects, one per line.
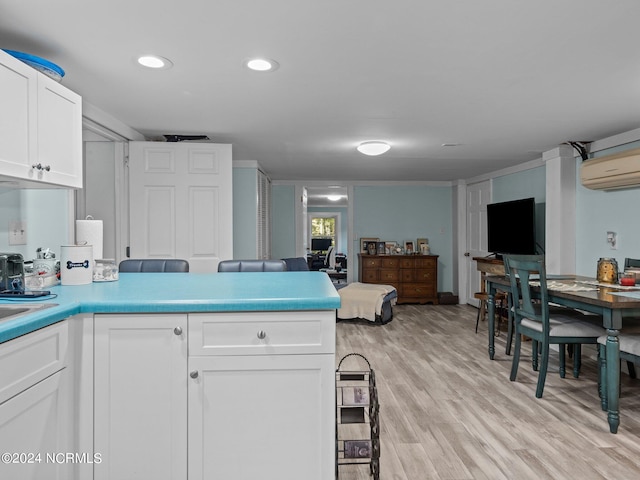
[
  {"x": 426, "y": 262},
  {"x": 408, "y": 263},
  {"x": 371, "y": 262},
  {"x": 262, "y": 333},
  {"x": 390, "y": 263},
  {"x": 369, "y": 276},
  {"x": 388, "y": 276},
  {"x": 422, "y": 275},
  {"x": 417, "y": 290}
]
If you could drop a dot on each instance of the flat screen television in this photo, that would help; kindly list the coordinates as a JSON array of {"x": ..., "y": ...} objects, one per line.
[
  {"x": 511, "y": 227},
  {"x": 320, "y": 244}
]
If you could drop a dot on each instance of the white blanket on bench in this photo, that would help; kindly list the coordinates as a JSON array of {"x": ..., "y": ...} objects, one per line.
[{"x": 363, "y": 300}]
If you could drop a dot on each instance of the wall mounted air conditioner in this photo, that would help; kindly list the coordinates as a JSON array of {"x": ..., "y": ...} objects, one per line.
[{"x": 620, "y": 170}]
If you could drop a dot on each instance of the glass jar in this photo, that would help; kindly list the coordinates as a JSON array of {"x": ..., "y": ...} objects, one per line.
[{"x": 607, "y": 270}]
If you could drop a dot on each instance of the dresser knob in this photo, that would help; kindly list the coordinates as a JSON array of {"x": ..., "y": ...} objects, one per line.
[
  {"x": 194, "y": 374},
  {"x": 177, "y": 330},
  {"x": 262, "y": 334}
]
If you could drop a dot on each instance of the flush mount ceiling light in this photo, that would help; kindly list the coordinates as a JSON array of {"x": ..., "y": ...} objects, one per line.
[
  {"x": 261, "y": 65},
  {"x": 154, "y": 61},
  {"x": 334, "y": 198},
  {"x": 373, "y": 148}
]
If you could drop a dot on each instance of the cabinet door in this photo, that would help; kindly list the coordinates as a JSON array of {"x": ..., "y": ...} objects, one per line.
[
  {"x": 140, "y": 400},
  {"x": 18, "y": 94},
  {"x": 262, "y": 417},
  {"x": 33, "y": 425},
  {"x": 59, "y": 134}
]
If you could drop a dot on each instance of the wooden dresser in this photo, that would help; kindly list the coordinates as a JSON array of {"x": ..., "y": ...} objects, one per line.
[{"x": 415, "y": 277}]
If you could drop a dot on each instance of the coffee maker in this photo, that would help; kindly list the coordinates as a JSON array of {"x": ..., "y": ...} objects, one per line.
[{"x": 11, "y": 272}]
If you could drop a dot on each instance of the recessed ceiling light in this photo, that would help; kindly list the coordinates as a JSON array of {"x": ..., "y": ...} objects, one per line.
[
  {"x": 261, "y": 65},
  {"x": 373, "y": 148},
  {"x": 154, "y": 61}
]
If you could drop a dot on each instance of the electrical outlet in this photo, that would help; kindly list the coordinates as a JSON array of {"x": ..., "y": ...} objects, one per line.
[{"x": 17, "y": 233}]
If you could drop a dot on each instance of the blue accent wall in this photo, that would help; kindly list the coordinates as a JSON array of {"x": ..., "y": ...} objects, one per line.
[
  {"x": 597, "y": 213},
  {"x": 283, "y": 221},
  {"x": 401, "y": 213}
]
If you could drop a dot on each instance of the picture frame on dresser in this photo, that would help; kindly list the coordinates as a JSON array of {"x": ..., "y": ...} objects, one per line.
[
  {"x": 381, "y": 248},
  {"x": 408, "y": 247},
  {"x": 364, "y": 243},
  {"x": 389, "y": 248}
]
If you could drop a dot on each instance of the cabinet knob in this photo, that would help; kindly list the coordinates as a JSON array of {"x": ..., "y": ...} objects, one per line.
[
  {"x": 47, "y": 167},
  {"x": 194, "y": 374},
  {"x": 262, "y": 334},
  {"x": 177, "y": 330},
  {"x": 37, "y": 166}
]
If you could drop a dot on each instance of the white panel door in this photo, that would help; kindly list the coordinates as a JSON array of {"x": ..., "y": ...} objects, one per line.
[
  {"x": 140, "y": 402},
  {"x": 181, "y": 202},
  {"x": 268, "y": 417},
  {"x": 478, "y": 196}
]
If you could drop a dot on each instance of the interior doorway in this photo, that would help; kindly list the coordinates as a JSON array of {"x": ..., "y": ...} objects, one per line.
[{"x": 330, "y": 201}]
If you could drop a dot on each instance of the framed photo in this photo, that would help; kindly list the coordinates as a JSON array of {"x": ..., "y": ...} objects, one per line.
[
  {"x": 389, "y": 247},
  {"x": 381, "y": 248},
  {"x": 357, "y": 448},
  {"x": 422, "y": 246},
  {"x": 364, "y": 244},
  {"x": 408, "y": 247},
  {"x": 355, "y": 395}
]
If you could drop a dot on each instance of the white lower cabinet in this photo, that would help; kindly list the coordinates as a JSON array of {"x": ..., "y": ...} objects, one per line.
[
  {"x": 262, "y": 396},
  {"x": 261, "y": 417},
  {"x": 35, "y": 432},
  {"x": 140, "y": 402}
]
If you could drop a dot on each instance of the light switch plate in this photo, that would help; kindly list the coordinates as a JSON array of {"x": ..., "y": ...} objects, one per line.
[{"x": 17, "y": 233}]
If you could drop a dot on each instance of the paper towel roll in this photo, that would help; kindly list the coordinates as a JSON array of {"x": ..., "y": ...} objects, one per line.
[{"x": 89, "y": 232}]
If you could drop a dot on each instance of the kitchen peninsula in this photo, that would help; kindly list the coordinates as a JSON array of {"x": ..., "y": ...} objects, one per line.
[{"x": 181, "y": 375}]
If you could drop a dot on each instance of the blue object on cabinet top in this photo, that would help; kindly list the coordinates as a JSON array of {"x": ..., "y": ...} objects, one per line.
[{"x": 50, "y": 69}]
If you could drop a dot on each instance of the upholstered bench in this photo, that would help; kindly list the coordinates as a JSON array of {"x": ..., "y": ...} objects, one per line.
[{"x": 367, "y": 301}]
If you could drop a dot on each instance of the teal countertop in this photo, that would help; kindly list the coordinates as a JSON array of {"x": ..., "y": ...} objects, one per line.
[{"x": 179, "y": 292}]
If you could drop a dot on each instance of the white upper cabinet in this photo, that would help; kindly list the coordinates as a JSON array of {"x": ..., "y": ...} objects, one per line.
[{"x": 40, "y": 127}]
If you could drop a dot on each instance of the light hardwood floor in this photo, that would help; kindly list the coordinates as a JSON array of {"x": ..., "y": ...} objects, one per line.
[{"x": 448, "y": 412}]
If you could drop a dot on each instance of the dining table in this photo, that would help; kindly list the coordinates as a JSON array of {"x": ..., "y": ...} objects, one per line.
[{"x": 612, "y": 301}]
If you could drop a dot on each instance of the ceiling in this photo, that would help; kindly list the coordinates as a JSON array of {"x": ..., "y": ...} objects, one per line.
[{"x": 502, "y": 80}]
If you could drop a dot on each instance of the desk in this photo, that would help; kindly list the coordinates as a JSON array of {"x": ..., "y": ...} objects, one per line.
[{"x": 602, "y": 302}]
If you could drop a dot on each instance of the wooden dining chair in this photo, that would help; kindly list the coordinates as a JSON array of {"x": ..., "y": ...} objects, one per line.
[
  {"x": 532, "y": 319},
  {"x": 482, "y": 296}
]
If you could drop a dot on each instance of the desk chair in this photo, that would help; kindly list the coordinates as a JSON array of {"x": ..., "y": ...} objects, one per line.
[
  {"x": 171, "y": 265},
  {"x": 532, "y": 319}
]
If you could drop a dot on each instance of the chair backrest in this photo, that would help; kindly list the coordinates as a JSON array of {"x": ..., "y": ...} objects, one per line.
[
  {"x": 252, "y": 266},
  {"x": 148, "y": 265},
  {"x": 521, "y": 270},
  {"x": 631, "y": 263},
  {"x": 330, "y": 258},
  {"x": 296, "y": 264}
]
